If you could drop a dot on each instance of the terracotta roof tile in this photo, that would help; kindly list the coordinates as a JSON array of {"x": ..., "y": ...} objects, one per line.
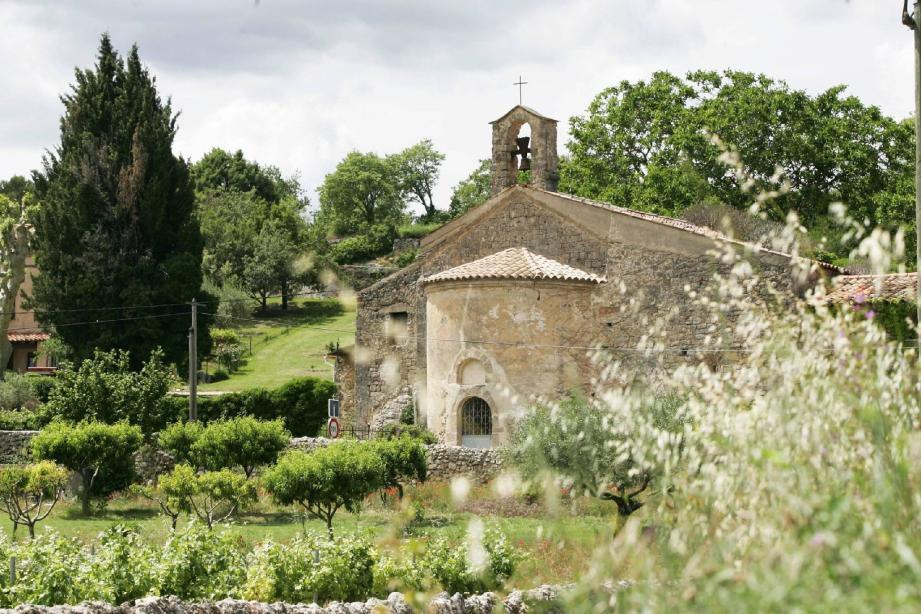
[
  {"x": 23, "y": 337},
  {"x": 515, "y": 263},
  {"x": 859, "y": 288}
]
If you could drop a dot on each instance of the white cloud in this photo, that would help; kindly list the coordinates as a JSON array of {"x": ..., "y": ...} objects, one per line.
[{"x": 300, "y": 84}]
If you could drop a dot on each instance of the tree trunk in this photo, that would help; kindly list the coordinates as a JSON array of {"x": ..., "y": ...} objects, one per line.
[
  {"x": 31, "y": 530},
  {"x": 85, "y": 495}
]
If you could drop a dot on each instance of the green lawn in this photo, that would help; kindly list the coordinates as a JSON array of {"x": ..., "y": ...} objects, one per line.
[
  {"x": 556, "y": 548},
  {"x": 287, "y": 345}
]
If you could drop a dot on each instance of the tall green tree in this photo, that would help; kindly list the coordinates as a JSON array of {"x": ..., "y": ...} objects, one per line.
[
  {"x": 16, "y": 187},
  {"x": 223, "y": 171},
  {"x": 472, "y": 191},
  {"x": 363, "y": 191},
  {"x": 116, "y": 233},
  {"x": 417, "y": 169},
  {"x": 647, "y": 145}
]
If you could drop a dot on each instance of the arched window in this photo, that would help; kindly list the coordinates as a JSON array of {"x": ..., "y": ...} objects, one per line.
[{"x": 476, "y": 424}]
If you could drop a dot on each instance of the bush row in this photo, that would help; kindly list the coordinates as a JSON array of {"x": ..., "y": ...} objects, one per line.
[
  {"x": 377, "y": 242},
  {"x": 195, "y": 563},
  {"x": 301, "y": 404}
]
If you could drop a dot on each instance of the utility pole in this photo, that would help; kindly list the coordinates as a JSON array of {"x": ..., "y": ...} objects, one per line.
[
  {"x": 193, "y": 364},
  {"x": 912, "y": 21}
]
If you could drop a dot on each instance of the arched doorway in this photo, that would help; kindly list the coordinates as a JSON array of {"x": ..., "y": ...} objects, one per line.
[{"x": 476, "y": 424}]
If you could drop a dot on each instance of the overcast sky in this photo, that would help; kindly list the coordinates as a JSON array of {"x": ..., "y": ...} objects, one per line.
[{"x": 299, "y": 84}]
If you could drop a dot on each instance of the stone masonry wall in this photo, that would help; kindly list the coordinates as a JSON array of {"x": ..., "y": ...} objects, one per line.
[
  {"x": 487, "y": 603},
  {"x": 14, "y": 446}
]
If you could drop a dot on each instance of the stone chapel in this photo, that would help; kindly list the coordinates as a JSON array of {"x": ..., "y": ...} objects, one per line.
[{"x": 501, "y": 303}]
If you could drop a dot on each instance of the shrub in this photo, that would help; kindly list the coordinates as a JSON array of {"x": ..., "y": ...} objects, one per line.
[
  {"x": 406, "y": 258},
  {"x": 243, "y": 442},
  {"x": 19, "y": 421},
  {"x": 214, "y": 496},
  {"x": 104, "y": 388},
  {"x": 101, "y": 454},
  {"x": 178, "y": 439},
  {"x": 392, "y": 431},
  {"x": 42, "y": 385},
  {"x": 404, "y": 459},
  {"x": 327, "y": 479},
  {"x": 218, "y": 376},
  {"x": 301, "y": 403},
  {"x": 46, "y": 570},
  {"x": 28, "y": 494},
  {"x": 227, "y": 349},
  {"x": 376, "y": 242},
  {"x": 18, "y": 392},
  {"x": 122, "y": 565},
  {"x": 199, "y": 564},
  {"x": 315, "y": 308},
  {"x": 343, "y": 570}
]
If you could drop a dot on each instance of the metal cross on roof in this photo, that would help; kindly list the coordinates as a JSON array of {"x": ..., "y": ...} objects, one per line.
[{"x": 519, "y": 84}]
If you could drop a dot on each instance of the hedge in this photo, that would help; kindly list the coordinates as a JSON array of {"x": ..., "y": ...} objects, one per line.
[{"x": 301, "y": 403}]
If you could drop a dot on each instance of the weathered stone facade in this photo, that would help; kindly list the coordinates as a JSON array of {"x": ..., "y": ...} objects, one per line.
[
  {"x": 531, "y": 338},
  {"x": 14, "y": 446}
]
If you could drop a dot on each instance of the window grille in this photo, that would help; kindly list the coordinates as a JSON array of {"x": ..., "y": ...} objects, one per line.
[{"x": 476, "y": 417}]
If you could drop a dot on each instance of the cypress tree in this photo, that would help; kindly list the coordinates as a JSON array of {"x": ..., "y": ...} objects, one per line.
[{"x": 116, "y": 232}]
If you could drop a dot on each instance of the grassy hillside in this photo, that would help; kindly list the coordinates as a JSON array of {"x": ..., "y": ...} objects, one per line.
[{"x": 288, "y": 344}]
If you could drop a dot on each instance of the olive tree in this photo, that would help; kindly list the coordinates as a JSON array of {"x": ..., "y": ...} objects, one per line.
[
  {"x": 101, "y": 454},
  {"x": 327, "y": 479},
  {"x": 28, "y": 494}
]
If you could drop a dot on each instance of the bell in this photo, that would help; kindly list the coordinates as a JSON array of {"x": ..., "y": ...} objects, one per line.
[{"x": 525, "y": 164}]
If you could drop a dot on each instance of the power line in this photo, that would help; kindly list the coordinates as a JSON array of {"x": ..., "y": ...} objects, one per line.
[{"x": 147, "y": 317}]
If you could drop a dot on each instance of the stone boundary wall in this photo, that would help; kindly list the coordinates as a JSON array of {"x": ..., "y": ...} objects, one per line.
[
  {"x": 445, "y": 462},
  {"x": 443, "y": 603}
]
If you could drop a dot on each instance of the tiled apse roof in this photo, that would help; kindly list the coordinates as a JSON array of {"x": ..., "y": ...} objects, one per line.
[
  {"x": 515, "y": 263},
  {"x": 859, "y": 288},
  {"x": 26, "y": 336}
]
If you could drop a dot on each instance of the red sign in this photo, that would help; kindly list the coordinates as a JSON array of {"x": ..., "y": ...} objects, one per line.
[{"x": 332, "y": 427}]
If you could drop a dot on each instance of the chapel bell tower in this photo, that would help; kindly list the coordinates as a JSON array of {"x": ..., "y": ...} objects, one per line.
[{"x": 511, "y": 153}]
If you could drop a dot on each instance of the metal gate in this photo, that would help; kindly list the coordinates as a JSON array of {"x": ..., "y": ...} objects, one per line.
[{"x": 476, "y": 424}]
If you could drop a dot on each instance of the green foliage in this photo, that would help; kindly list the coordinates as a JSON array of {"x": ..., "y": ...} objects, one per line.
[
  {"x": 42, "y": 385},
  {"x": 199, "y": 564},
  {"x": 28, "y": 494},
  {"x": 123, "y": 566},
  {"x": 213, "y": 496},
  {"x": 327, "y": 479},
  {"x": 418, "y": 230},
  {"x": 117, "y": 223},
  {"x": 16, "y": 187},
  {"x": 243, "y": 442},
  {"x": 301, "y": 403},
  {"x": 420, "y": 433},
  {"x": 572, "y": 441},
  {"x": 222, "y": 171},
  {"x": 417, "y": 169},
  {"x": 18, "y": 391},
  {"x": 377, "y": 242},
  {"x": 362, "y": 192},
  {"x": 472, "y": 191},
  {"x": 179, "y": 438},
  {"x": 643, "y": 145},
  {"x": 404, "y": 459},
  {"x": 898, "y": 319},
  {"x": 407, "y": 258},
  {"x": 19, "y": 420},
  {"x": 102, "y": 454},
  {"x": 227, "y": 348},
  {"x": 289, "y": 572},
  {"x": 105, "y": 388}
]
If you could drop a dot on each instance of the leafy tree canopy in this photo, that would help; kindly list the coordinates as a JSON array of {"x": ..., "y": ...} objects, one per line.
[
  {"x": 364, "y": 190},
  {"x": 417, "y": 168},
  {"x": 222, "y": 171},
  {"x": 105, "y": 388},
  {"x": 16, "y": 187},
  {"x": 101, "y": 454},
  {"x": 472, "y": 191},
  {"x": 647, "y": 145},
  {"x": 117, "y": 228}
]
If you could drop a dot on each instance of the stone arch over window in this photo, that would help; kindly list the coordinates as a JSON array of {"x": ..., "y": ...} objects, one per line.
[
  {"x": 476, "y": 423},
  {"x": 471, "y": 373}
]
